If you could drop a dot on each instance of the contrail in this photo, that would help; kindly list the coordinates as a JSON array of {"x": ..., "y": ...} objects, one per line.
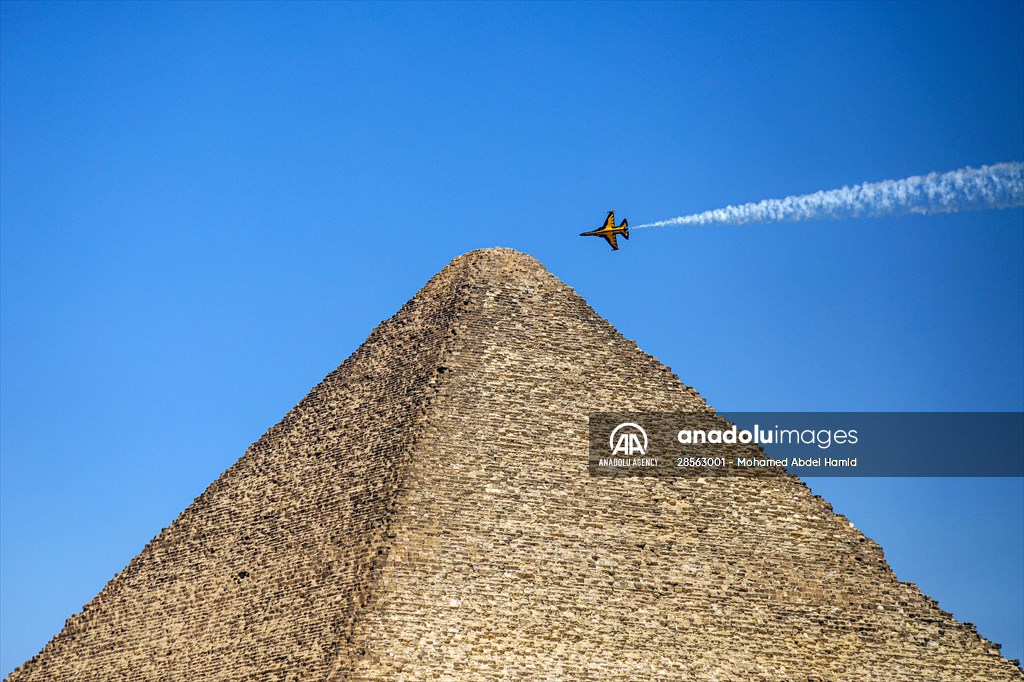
[{"x": 1000, "y": 185}]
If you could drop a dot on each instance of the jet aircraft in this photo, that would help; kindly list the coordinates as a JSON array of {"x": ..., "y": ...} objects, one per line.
[{"x": 609, "y": 230}]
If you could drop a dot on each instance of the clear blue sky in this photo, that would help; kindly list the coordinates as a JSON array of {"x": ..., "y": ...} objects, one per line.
[{"x": 207, "y": 207}]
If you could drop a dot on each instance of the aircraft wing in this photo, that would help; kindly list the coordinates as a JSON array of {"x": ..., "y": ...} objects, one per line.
[
  {"x": 611, "y": 240},
  {"x": 609, "y": 221}
]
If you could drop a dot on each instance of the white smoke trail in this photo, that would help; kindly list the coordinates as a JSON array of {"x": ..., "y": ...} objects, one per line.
[{"x": 1000, "y": 185}]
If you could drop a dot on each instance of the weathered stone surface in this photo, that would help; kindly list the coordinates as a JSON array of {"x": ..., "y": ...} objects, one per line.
[{"x": 425, "y": 513}]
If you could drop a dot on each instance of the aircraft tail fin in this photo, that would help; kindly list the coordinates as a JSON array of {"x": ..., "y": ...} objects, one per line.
[{"x": 625, "y": 228}]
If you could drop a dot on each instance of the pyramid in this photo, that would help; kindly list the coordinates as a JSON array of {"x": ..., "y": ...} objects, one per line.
[{"x": 426, "y": 513}]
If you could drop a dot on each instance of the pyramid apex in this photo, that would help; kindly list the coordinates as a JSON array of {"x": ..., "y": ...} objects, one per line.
[
  {"x": 494, "y": 250},
  {"x": 495, "y": 264},
  {"x": 497, "y": 254}
]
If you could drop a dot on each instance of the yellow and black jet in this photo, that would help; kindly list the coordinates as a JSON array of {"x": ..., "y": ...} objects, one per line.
[{"x": 609, "y": 230}]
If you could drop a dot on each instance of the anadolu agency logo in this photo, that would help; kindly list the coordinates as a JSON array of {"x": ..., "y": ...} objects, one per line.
[{"x": 628, "y": 443}]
